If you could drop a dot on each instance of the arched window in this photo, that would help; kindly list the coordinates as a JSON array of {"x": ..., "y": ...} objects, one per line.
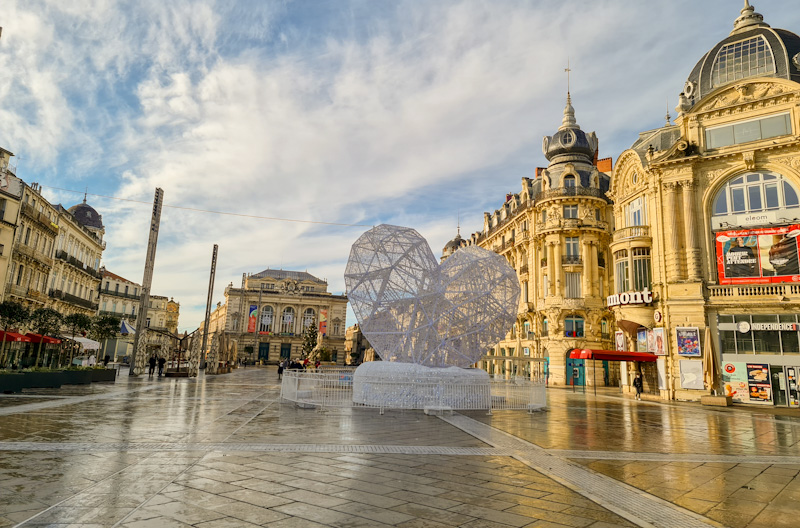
[
  {"x": 753, "y": 193},
  {"x": 287, "y": 320},
  {"x": 573, "y": 326},
  {"x": 738, "y": 60},
  {"x": 569, "y": 181},
  {"x": 308, "y": 317},
  {"x": 267, "y": 313}
]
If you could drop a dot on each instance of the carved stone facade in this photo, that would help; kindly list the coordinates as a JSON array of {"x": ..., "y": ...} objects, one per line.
[
  {"x": 718, "y": 219},
  {"x": 267, "y": 317}
]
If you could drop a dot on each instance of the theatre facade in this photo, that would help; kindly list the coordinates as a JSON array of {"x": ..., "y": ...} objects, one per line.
[{"x": 708, "y": 207}]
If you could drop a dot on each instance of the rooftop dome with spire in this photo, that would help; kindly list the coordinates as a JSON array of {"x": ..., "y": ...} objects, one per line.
[
  {"x": 86, "y": 215},
  {"x": 454, "y": 245},
  {"x": 752, "y": 49}
]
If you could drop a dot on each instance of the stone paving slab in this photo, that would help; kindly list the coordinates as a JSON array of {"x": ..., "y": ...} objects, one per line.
[{"x": 223, "y": 451}]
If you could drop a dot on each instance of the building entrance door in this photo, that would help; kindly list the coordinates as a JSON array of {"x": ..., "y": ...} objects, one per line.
[
  {"x": 263, "y": 351},
  {"x": 576, "y": 374},
  {"x": 286, "y": 350},
  {"x": 778, "y": 385}
]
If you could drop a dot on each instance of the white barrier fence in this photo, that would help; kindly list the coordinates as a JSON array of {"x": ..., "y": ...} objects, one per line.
[{"x": 335, "y": 388}]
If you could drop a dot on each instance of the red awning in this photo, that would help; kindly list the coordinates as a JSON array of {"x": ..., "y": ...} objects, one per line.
[
  {"x": 611, "y": 355},
  {"x": 35, "y": 338},
  {"x": 14, "y": 337}
]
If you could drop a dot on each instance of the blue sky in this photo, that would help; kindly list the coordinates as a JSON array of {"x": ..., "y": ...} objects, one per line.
[{"x": 358, "y": 112}]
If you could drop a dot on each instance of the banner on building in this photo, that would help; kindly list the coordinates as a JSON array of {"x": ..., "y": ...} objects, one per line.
[
  {"x": 659, "y": 342},
  {"x": 688, "y": 341},
  {"x": 641, "y": 340},
  {"x": 251, "y": 322},
  {"x": 758, "y": 255},
  {"x": 758, "y": 383},
  {"x": 323, "y": 322},
  {"x": 734, "y": 382}
]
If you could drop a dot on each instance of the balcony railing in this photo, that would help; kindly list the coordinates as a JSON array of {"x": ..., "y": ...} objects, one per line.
[
  {"x": 753, "y": 291},
  {"x": 570, "y": 191},
  {"x": 73, "y": 299},
  {"x": 19, "y": 291},
  {"x": 120, "y": 294},
  {"x": 571, "y": 259},
  {"x": 624, "y": 233},
  {"x": 41, "y": 219},
  {"x": 33, "y": 254},
  {"x": 77, "y": 264},
  {"x": 121, "y": 315}
]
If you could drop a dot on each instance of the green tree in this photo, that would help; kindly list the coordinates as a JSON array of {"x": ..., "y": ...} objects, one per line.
[
  {"x": 12, "y": 315},
  {"x": 104, "y": 327},
  {"x": 76, "y": 323},
  {"x": 45, "y": 321},
  {"x": 309, "y": 340}
]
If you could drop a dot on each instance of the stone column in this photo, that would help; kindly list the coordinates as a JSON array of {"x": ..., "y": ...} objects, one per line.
[
  {"x": 551, "y": 267},
  {"x": 557, "y": 267},
  {"x": 673, "y": 253},
  {"x": 587, "y": 269},
  {"x": 692, "y": 251},
  {"x": 594, "y": 282}
]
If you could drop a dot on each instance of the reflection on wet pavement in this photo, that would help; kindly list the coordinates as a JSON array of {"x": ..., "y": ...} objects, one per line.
[{"x": 96, "y": 455}]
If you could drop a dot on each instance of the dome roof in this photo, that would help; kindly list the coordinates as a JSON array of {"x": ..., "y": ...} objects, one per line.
[
  {"x": 456, "y": 243},
  {"x": 569, "y": 140},
  {"x": 86, "y": 215},
  {"x": 752, "y": 49}
]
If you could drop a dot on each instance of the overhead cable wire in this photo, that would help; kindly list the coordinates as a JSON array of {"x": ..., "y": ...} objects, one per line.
[{"x": 198, "y": 210}]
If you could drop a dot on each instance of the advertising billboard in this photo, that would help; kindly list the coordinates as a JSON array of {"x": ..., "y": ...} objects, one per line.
[
  {"x": 688, "y": 341},
  {"x": 251, "y": 321},
  {"x": 734, "y": 381},
  {"x": 759, "y": 384},
  {"x": 758, "y": 255}
]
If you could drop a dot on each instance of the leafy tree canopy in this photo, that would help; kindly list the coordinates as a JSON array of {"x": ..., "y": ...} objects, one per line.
[
  {"x": 46, "y": 320},
  {"x": 77, "y": 323},
  {"x": 13, "y": 314},
  {"x": 105, "y": 327}
]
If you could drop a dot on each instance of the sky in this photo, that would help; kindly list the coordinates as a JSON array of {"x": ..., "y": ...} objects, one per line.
[{"x": 340, "y": 114}]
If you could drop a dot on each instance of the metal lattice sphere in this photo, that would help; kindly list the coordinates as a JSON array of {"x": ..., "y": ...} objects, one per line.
[{"x": 413, "y": 310}]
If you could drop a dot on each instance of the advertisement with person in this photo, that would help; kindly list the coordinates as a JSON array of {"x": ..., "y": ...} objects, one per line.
[
  {"x": 641, "y": 340},
  {"x": 758, "y": 255},
  {"x": 758, "y": 383},
  {"x": 734, "y": 382},
  {"x": 619, "y": 337},
  {"x": 323, "y": 322},
  {"x": 251, "y": 322},
  {"x": 688, "y": 341},
  {"x": 660, "y": 342}
]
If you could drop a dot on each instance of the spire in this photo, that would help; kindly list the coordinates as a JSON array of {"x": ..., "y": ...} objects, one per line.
[
  {"x": 748, "y": 19},
  {"x": 85, "y": 193},
  {"x": 667, "y": 117},
  {"x": 569, "y": 116}
]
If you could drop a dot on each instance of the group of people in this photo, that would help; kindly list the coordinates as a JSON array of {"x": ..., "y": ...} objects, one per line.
[
  {"x": 291, "y": 364},
  {"x": 160, "y": 361}
]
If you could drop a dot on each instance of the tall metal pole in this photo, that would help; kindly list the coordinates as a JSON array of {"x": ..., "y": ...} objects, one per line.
[
  {"x": 149, "y": 263},
  {"x": 210, "y": 297},
  {"x": 257, "y": 346},
  {"x": 245, "y": 312}
]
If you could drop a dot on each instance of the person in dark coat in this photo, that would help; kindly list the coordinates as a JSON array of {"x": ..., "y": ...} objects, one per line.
[
  {"x": 106, "y": 360},
  {"x": 161, "y": 362},
  {"x": 152, "y": 366},
  {"x": 638, "y": 384},
  {"x": 280, "y": 369}
]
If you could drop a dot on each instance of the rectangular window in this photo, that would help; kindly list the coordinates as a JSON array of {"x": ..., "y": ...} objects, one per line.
[
  {"x": 641, "y": 268},
  {"x": 621, "y": 271},
  {"x": 764, "y": 128},
  {"x": 2, "y": 209},
  {"x": 546, "y": 285},
  {"x": 544, "y": 216},
  {"x": 635, "y": 213},
  {"x": 573, "y": 281},
  {"x": 573, "y": 248},
  {"x": 570, "y": 211}
]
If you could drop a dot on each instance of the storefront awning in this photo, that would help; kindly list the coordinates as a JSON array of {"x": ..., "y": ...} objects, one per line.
[
  {"x": 88, "y": 344},
  {"x": 14, "y": 337},
  {"x": 631, "y": 327},
  {"x": 611, "y": 355},
  {"x": 125, "y": 328},
  {"x": 35, "y": 338}
]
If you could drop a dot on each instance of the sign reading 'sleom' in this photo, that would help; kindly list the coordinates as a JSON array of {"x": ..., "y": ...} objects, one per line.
[{"x": 643, "y": 297}]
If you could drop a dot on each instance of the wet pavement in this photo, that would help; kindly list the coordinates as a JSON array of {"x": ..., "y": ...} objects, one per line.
[{"x": 222, "y": 451}]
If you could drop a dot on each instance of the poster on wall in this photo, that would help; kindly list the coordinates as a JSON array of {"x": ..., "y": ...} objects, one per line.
[
  {"x": 323, "y": 321},
  {"x": 619, "y": 339},
  {"x": 641, "y": 341},
  {"x": 758, "y": 255},
  {"x": 688, "y": 341},
  {"x": 691, "y": 374},
  {"x": 734, "y": 382},
  {"x": 661, "y": 368},
  {"x": 758, "y": 383},
  {"x": 660, "y": 342},
  {"x": 251, "y": 322}
]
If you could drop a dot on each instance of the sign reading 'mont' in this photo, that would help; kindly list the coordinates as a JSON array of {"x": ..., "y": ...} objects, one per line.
[{"x": 639, "y": 297}]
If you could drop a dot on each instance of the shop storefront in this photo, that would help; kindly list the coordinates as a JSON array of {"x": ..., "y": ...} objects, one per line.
[{"x": 761, "y": 358}]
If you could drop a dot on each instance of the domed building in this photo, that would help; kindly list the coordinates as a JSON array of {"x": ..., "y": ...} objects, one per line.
[
  {"x": 555, "y": 234},
  {"x": 453, "y": 246},
  {"x": 707, "y": 219}
]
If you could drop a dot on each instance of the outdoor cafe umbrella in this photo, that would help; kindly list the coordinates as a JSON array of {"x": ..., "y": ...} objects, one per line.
[{"x": 710, "y": 365}]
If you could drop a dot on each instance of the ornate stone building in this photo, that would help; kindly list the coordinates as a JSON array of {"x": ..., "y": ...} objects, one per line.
[
  {"x": 10, "y": 196},
  {"x": 709, "y": 206},
  {"x": 267, "y": 316},
  {"x": 555, "y": 233}
]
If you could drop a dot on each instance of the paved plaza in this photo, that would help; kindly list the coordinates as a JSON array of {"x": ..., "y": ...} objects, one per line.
[{"x": 223, "y": 451}]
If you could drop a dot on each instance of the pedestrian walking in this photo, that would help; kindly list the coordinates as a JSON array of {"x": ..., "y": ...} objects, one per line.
[
  {"x": 638, "y": 385},
  {"x": 106, "y": 360},
  {"x": 281, "y": 366},
  {"x": 152, "y": 366},
  {"x": 161, "y": 362}
]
